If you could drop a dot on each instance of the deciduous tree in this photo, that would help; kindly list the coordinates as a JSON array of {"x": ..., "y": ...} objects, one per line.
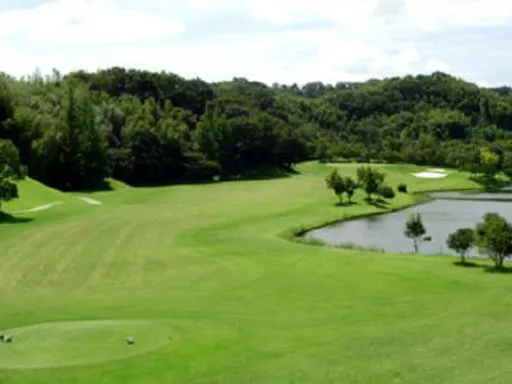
[
  {"x": 461, "y": 241},
  {"x": 415, "y": 230}
]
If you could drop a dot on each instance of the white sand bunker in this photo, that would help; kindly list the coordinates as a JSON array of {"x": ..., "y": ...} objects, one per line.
[
  {"x": 88, "y": 200},
  {"x": 436, "y": 173},
  {"x": 41, "y": 207}
]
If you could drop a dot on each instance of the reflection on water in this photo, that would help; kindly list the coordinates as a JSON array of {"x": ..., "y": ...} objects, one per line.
[{"x": 447, "y": 213}]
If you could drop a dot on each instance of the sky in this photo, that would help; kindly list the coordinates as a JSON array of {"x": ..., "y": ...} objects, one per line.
[{"x": 284, "y": 41}]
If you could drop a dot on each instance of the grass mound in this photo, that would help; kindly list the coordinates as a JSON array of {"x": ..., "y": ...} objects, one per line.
[{"x": 81, "y": 342}]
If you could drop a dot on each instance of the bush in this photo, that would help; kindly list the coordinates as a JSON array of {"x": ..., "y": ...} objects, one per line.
[
  {"x": 402, "y": 188},
  {"x": 386, "y": 192}
]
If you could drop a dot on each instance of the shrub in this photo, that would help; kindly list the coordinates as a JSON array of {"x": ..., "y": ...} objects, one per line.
[
  {"x": 402, "y": 188},
  {"x": 386, "y": 192}
]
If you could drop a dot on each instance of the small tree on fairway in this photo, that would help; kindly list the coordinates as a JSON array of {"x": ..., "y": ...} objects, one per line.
[
  {"x": 494, "y": 238},
  {"x": 350, "y": 187},
  {"x": 335, "y": 182},
  {"x": 415, "y": 230},
  {"x": 370, "y": 180},
  {"x": 461, "y": 241}
]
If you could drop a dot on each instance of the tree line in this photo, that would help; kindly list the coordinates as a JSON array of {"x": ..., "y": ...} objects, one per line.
[{"x": 147, "y": 128}]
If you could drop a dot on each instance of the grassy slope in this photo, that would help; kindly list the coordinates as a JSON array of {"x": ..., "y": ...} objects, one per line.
[{"x": 248, "y": 306}]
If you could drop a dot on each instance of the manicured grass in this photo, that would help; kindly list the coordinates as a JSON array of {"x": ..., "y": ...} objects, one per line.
[{"x": 206, "y": 266}]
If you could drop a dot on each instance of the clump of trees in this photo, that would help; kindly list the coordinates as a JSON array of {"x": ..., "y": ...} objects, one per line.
[
  {"x": 341, "y": 185},
  {"x": 492, "y": 236},
  {"x": 370, "y": 180}
]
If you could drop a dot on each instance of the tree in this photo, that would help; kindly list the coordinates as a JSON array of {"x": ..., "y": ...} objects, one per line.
[
  {"x": 415, "y": 230},
  {"x": 461, "y": 241},
  {"x": 8, "y": 188},
  {"x": 10, "y": 170},
  {"x": 370, "y": 180},
  {"x": 350, "y": 187},
  {"x": 490, "y": 163},
  {"x": 386, "y": 192},
  {"x": 335, "y": 182},
  {"x": 494, "y": 238}
]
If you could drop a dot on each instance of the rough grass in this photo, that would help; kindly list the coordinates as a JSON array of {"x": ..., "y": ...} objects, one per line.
[{"x": 246, "y": 305}]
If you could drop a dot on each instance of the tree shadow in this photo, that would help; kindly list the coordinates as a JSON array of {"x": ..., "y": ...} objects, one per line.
[
  {"x": 378, "y": 203},
  {"x": 345, "y": 204},
  {"x": 264, "y": 173},
  {"x": 468, "y": 264},
  {"x": 499, "y": 271},
  {"x": 101, "y": 186},
  {"x": 6, "y": 218}
]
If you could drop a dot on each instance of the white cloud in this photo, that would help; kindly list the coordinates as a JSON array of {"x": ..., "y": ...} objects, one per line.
[
  {"x": 434, "y": 65},
  {"x": 353, "y": 40},
  {"x": 85, "y": 21}
]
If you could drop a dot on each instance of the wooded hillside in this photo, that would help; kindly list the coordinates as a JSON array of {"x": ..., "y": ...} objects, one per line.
[{"x": 150, "y": 128}]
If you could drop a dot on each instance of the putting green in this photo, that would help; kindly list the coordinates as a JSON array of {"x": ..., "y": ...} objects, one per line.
[{"x": 82, "y": 342}]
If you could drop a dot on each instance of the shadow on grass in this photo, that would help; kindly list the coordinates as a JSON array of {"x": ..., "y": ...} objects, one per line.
[
  {"x": 345, "y": 204},
  {"x": 103, "y": 186},
  {"x": 485, "y": 268},
  {"x": 378, "y": 203},
  {"x": 468, "y": 264},
  {"x": 499, "y": 271},
  {"x": 6, "y": 218},
  {"x": 264, "y": 173}
]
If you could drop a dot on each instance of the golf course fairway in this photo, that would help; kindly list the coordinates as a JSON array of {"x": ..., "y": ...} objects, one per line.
[{"x": 205, "y": 280}]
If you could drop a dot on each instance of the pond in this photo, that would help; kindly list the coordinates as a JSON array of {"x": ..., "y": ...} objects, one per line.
[{"x": 448, "y": 212}]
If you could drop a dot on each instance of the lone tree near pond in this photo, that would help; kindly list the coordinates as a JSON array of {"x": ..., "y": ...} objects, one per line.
[
  {"x": 370, "y": 180},
  {"x": 461, "y": 241},
  {"x": 494, "y": 238},
  {"x": 415, "y": 230}
]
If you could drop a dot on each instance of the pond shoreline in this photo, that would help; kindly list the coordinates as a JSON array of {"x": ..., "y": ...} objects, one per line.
[{"x": 298, "y": 234}]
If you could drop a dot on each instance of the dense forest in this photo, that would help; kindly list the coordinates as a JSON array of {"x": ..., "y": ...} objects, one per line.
[{"x": 145, "y": 128}]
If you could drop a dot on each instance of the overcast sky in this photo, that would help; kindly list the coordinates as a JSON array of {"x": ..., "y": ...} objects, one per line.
[{"x": 282, "y": 41}]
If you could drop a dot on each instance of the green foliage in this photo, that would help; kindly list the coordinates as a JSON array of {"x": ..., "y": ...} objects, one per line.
[
  {"x": 386, "y": 192},
  {"x": 370, "y": 180},
  {"x": 150, "y": 128},
  {"x": 490, "y": 162},
  {"x": 10, "y": 171},
  {"x": 341, "y": 185},
  {"x": 402, "y": 188},
  {"x": 461, "y": 241},
  {"x": 335, "y": 182},
  {"x": 494, "y": 238},
  {"x": 8, "y": 188},
  {"x": 415, "y": 230},
  {"x": 350, "y": 187}
]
